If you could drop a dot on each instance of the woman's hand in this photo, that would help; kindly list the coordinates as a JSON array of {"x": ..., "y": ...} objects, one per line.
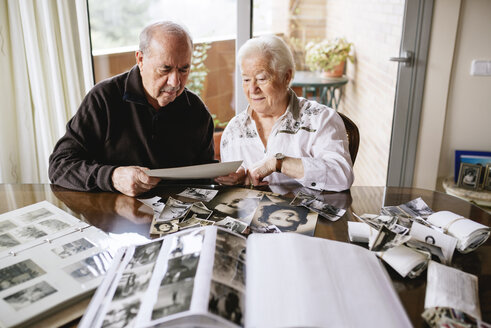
[
  {"x": 237, "y": 178},
  {"x": 263, "y": 170}
]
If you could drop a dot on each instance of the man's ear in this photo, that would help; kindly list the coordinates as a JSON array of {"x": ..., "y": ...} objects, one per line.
[{"x": 139, "y": 59}]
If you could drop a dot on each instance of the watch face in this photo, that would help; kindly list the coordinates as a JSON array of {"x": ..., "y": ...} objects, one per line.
[{"x": 279, "y": 156}]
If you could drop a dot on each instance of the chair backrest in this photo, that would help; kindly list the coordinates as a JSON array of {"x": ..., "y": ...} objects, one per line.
[{"x": 353, "y": 136}]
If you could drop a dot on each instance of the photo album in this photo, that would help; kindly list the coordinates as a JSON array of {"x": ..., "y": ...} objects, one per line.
[
  {"x": 213, "y": 277},
  {"x": 48, "y": 260}
]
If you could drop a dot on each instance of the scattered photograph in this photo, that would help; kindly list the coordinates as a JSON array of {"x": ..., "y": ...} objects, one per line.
[
  {"x": 323, "y": 209},
  {"x": 231, "y": 245},
  {"x": 173, "y": 299},
  {"x": 155, "y": 203},
  {"x": 419, "y": 207},
  {"x": 53, "y": 225},
  {"x": 133, "y": 282},
  {"x": 469, "y": 175},
  {"x": 187, "y": 243},
  {"x": 232, "y": 224},
  {"x": 197, "y": 211},
  {"x": 229, "y": 271},
  {"x": 386, "y": 239},
  {"x": 299, "y": 197},
  {"x": 286, "y": 217},
  {"x": 145, "y": 254},
  {"x": 427, "y": 247},
  {"x": 189, "y": 223},
  {"x": 164, "y": 227},
  {"x": 377, "y": 221},
  {"x": 181, "y": 268},
  {"x": 174, "y": 209},
  {"x": 204, "y": 223},
  {"x": 399, "y": 211},
  {"x": 204, "y": 195},
  {"x": 30, "y": 295},
  {"x": 226, "y": 302},
  {"x": 18, "y": 273},
  {"x": 32, "y": 216},
  {"x": 72, "y": 248},
  {"x": 399, "y": 229},
  {"x": 121, "y": 314},
  {"x": 239, "y": 203},
  {"x": 486, "y": 185},
  {"x": 6, "y": 226},
  {"x": 7, "y": 241},
  {"x": 89, "y": 268}
]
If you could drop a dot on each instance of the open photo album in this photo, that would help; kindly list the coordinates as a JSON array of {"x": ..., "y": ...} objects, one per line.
[
  {"x": 213, "y": 277},
  {"x": 48, "y": 261}
]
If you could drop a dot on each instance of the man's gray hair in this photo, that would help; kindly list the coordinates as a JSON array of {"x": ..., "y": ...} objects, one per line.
[
  {"x": 168, "y": 27},
  {"x": 273, "y": 48}
]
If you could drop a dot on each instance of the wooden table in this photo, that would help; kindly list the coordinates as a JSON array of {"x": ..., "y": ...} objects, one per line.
[{"x": 117, "y": 213}]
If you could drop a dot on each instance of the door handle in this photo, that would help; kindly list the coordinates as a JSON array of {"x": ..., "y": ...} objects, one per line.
[{"x": 406, "y": 59}]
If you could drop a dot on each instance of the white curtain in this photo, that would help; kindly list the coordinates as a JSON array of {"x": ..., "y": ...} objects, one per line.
[{"x": 46, "y": 70}]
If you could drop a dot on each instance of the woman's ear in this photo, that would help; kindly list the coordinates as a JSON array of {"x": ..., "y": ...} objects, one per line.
[{"x": 288, "y": 77}]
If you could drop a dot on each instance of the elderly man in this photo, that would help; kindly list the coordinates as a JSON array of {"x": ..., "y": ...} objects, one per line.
[{"x": 144, "y": 118}]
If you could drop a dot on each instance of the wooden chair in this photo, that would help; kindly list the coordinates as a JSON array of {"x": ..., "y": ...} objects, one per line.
[{"x": 353, "y": 136}]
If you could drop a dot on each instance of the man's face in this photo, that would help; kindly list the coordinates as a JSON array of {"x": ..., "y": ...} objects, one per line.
[
  {"x": 284, "y": 218},
  {"x": 164, "y": 68}
]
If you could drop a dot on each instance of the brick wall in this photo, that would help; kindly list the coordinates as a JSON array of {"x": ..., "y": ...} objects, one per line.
[{"x": 374, "y": 26}]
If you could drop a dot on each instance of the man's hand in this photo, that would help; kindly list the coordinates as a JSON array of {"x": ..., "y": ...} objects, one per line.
[
  {"x": 132, "y": 180},
  {"x": 239, "y": 177}
]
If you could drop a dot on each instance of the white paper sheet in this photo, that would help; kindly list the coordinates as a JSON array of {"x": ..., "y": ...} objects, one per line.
[
  {"x": 322, "y": 283},
  {"x": 432, "y": 236},
  {"x": 204, "y": 171},
  {"x": 450, "y": 287}
]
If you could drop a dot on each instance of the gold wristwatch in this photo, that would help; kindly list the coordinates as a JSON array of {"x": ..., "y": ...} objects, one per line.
[{"x": 279, "y": 161}]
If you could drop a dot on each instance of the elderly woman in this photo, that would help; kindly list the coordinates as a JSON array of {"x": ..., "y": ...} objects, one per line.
[{"x": 280, "y": 136}]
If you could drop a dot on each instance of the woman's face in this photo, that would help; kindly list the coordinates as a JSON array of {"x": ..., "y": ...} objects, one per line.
[
  {"x": 284, "y": 218},
  {"x": 264, "y": 90}
]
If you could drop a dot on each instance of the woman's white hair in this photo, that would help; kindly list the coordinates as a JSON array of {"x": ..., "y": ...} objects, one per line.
[{"x": 272, "y": 47}]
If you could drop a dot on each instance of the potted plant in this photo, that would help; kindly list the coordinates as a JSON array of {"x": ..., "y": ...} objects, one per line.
[{"x": 328, "y": 56}]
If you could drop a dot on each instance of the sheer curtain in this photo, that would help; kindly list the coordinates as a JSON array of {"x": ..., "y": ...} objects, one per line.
[{"x": 46, "y": 70}]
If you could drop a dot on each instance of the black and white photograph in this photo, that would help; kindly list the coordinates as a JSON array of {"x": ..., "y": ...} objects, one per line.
[
  {"x": 121, "y": 314},
  {"x": 133, "y": 282},
  {"x": 286, "y": 217},
  {"x": 427, "y": 247},
  {"x": 299, "y": 197},
  {"x": 226, "y": 302},
  {"x": 231, "y": 245},
  {"x": 53, "y": 225},
  {"x": 323, "y": 209},
  {"x": 197, "y": 211},
  {"x": 18, "y": 273},
  {"x": 32, "y": 216},
  {"x": 189, "y": 223},
  {"x": 377, "y": 221},
  {"x": 238, "y": 203},
  {"x": 29, "y": 295},
  {"x": 173, "y": 299},
  {"x": 266, "y": 229},
  {"x": 399, "y": 211},
  {"x": 6, "y": 226},
  {"x": 72, "y": 248},
  {"x": 229, "y": 271},
  {"x": 181, "y": 268},
  {"x": 7, "y": 241},
  {"x": 187, "y": 243},
  {"x": 145, "y": 254},
  {"x": 386, "y": 239},
  {"x": 164, "y": 227},
  {"x": 469, "y": 175},
  {"x": 419, "y": 207},
  {"x": 174, "y": 209},
  {"x": 486, "y": 185},
  {"x": 28, "y": 233},
  {"x": 90, "y": 267},
  {"x": 204, "y": 195},
  {"x": 232, "y": 224}
]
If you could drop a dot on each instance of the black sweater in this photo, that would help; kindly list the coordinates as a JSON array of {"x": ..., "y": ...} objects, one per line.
[{"x": 116, "y": 126}]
